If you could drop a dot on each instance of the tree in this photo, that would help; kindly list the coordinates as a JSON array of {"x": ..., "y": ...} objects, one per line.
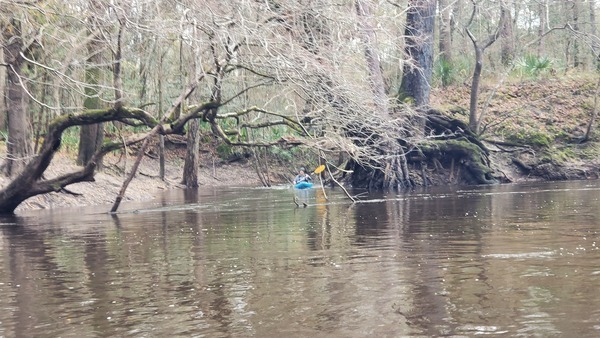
[
  {"x": 395, "y": 172},
  {"x": 445, "y": 31},
  {"x": 2, "y": 91},
  {"x": 315, "y": 74},
  {"x": 542, "y": 8},
  {"x": 90, "y": 136},
  {"x": 479, "y": 48},
  {"x": 18, "y": 143},
  {"x": 507, "y": 53},
  {"x": 416, "y": 75}
]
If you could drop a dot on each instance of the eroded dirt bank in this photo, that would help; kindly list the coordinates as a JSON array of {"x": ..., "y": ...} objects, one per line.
[{"x": 144, "y": 186}]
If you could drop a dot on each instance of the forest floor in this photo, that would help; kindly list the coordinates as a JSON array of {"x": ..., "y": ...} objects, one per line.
[{"x": 548, "y": 115}]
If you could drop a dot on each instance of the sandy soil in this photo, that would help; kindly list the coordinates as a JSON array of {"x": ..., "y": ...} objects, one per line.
[{"x": 144, "y": 186}]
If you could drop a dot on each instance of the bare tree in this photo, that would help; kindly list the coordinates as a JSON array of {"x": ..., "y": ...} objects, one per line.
[{"x": 479, "y": 48}]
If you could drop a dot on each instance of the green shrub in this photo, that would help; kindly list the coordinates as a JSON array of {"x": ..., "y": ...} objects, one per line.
[
  {"x": 444, "y": 72},
  {"x": 283, "y": 155},
  {"x": 224, "y": 150},
  {"x": 533, "y": 66},
  {"x": 70, "y": 140}
]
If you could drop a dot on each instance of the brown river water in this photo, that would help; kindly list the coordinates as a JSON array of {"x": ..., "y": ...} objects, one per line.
[{"x": 508, "y": 260}]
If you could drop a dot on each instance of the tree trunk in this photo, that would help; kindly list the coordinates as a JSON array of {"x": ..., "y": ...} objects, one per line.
[
  {"x": 372, "y": 59},
  {"x": 90, "y": 136},
  {"x": 2, "y": 92},
  {"x": 577, "y": 62},
  {"x": 416, "y": 76},
  {"x": 395, "y": 175},
  {"x": 30, "y": 182},
  {"x": 190, "y": 167},
  {"x": 474, "y": 118},
  {"x": 507, "y": 38},
  {"x": 445, "y": 37},
  {"x": 542, "y": 13},
  {"x": 593, "y": 31},
  {"x": 18, "y": 145},
  {"x": 590, "y": 126},
  {"x": 161, "y": 138},
  {"x": 473, "y": 113}
]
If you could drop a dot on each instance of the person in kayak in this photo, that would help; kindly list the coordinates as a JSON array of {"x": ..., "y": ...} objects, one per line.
[{"x": 302, "y": 177}]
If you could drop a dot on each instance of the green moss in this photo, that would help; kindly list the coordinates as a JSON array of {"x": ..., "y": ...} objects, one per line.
[{"x": 535, "y": 139}]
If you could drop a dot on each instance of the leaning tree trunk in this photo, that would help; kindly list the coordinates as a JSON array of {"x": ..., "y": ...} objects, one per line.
[{"x": 29, "y": 182}]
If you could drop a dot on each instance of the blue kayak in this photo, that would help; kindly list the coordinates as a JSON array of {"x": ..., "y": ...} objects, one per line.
[{"x": 303, "y": 185}]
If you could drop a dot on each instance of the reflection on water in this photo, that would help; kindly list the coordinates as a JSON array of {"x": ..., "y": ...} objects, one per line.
[{"x": 516, "y": 260}]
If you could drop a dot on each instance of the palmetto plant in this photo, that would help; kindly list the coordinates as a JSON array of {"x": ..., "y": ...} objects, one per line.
[
  {"x": 445, "y": 72},
  {"x": 534, "y": 66}
]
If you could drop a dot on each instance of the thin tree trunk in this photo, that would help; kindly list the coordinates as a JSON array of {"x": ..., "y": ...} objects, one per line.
[
  {"x": 479, "y": 48},
  {"x": 375, "y": 73},
  {"x": 445, "y": 37},
  {"x": 134, "y": 168},
  {"x": 593, "y": 31},
  {"x": 39, "y": 124},
  {"x": 473, "y": 115},
  {"x": 117, "y": 78},
  {"x": 542, "y": 13},
  {"x": 161, "y": 138},
  {"x": 588, "y": 131},
  {"x": 2, "y": 92},
  {"x": 577, "y": 62}
]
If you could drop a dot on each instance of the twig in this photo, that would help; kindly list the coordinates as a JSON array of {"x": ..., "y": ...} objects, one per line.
[
  {"x": 341, "y": 186},
  {"x": 67, "y": 191}
]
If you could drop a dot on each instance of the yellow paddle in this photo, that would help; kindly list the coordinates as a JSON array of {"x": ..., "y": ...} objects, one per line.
[{"x": 319, "y": 169}]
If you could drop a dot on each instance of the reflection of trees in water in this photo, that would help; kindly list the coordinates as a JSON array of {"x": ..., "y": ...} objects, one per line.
[
  {"x": 416, "y": 265},
  {"x": 24, "y": 250},
  {"x": 427, "y": 230},
  {"x": 47, "y": 270}
]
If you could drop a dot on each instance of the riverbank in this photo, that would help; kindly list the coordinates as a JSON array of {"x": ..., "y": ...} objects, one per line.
[
  {"x": 532, "y": 129},
  {"x": 145, "y": 185}
]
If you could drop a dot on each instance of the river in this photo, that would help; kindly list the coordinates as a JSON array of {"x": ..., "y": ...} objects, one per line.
[{"x": 506, "y": 260}]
